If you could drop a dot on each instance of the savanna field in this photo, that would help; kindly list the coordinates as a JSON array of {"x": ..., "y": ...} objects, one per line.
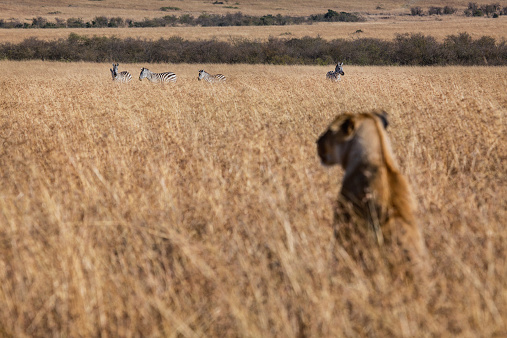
[{"x": 195, "y": 209}]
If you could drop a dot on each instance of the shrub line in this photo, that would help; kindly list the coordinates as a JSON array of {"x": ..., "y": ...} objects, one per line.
[
  {"x": 405, "y": 49},
  {"x": 204, "y": 20}
]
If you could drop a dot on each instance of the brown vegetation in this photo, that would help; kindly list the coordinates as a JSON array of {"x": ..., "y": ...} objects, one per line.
[
  {"x": 382, "y": 29},
  {"x": 203, "y": 210},
  {"x": 415, "y": 50},
  {"x": 87, "y": 9}
]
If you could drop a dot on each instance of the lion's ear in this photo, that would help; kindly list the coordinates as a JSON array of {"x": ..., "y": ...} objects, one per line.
[
  {"x": 348, "y": 126},
  {"x": 382, "y": 115}
]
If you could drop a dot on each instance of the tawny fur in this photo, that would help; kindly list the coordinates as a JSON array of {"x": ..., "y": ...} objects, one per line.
[{"x": 373, "y": 190}]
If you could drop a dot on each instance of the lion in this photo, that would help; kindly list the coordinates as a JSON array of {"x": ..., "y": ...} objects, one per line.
[{"x": 373, "y": 193}]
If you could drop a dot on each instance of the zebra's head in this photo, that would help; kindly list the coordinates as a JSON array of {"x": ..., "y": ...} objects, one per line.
[
  {"x": 339, "y": 68},
  {"x": 114, "y": 71},
  {"x": 201, "y": 74},
  {"x": 144, "y": 73}
]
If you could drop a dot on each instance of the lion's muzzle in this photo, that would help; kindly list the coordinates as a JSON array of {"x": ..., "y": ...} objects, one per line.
[{"x": 325, "y": 148}]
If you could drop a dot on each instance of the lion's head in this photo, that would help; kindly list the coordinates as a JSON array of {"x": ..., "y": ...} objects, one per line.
[{"x": 348, "y": 132}]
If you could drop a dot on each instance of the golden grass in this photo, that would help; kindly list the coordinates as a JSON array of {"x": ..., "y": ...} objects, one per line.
[
  {"x": 202, "y": 210},
  {"x": 379, "y": 29},
  {"x": 88, "y": 9},
  {"x": 382, "y": 23}
]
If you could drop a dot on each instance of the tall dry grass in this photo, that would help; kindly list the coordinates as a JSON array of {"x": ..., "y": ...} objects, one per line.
[{"x": 202, "y": 210}]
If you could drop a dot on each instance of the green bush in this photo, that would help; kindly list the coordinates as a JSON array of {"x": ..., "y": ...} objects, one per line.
[
  {"x": 170, "y": 8},
  {"x": 416, "y": 11},
  {"x": 435, "y": 11},
  {"x": 449, "y": 10},
  {"x": 75, "y": 23}
]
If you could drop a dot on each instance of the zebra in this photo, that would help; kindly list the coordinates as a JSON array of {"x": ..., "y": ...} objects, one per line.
[
  {"x": 157, "y": 77},
  {"x": 335, "y": 76},
  {"x": 210, "y": 78},
  {"x": 120, "y": 77}
]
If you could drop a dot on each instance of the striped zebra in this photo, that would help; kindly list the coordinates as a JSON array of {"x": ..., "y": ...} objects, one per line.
[
  {"x": 210, "y": 78},
  {"x": 335, "y": 76},
  {"x": 120, "y": 77},
  {"x": 157, "y": 77}
]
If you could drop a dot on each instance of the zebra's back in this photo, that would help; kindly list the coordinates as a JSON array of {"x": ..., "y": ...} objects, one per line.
[
  {"x": 210, "y": 78},
  {"x": 219, "y": 77},
  {"x": 157, "y": 77},
  {"x": 123, "y": 77},
  {"x": 164, "y": 77}
]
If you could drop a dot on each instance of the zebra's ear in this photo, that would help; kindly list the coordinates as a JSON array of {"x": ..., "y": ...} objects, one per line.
[{"x": 382, "y": 115}]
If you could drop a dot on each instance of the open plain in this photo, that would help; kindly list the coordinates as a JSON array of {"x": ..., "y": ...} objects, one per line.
[
  {"x": 377, "y": 29},
  {"x": 202, "y": 210},
  {"x": 384, "y": 20},
  {"x": 195, "y": 209},
  {"x": 88, "y": 9}
]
